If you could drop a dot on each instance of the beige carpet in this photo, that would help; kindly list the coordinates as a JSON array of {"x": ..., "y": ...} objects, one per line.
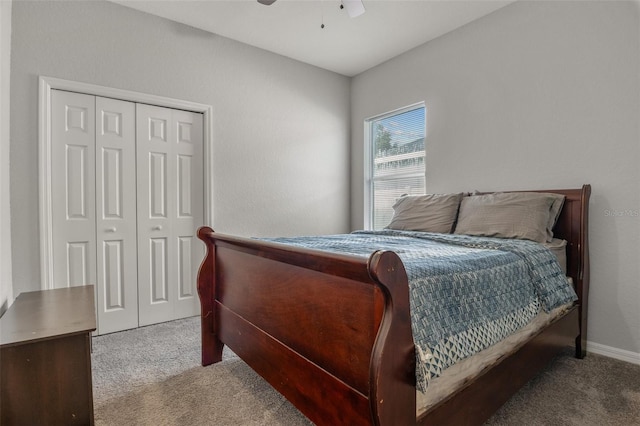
[{"x": 152, "y": 376}]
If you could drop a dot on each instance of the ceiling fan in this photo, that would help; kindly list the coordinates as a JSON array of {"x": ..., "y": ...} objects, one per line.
[{"x": 354, "y": 7}]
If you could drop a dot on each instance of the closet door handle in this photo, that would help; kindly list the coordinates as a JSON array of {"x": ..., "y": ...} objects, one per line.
[
  {"x": 157, "y": 228},
  {"x": 112, "y": 229}
]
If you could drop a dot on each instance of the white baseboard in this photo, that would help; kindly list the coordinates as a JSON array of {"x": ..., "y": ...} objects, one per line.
[{"x": 611, "y": 352}]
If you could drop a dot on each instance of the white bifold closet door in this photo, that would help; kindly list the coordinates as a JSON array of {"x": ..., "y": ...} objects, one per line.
[{"x": 127, "y": 200}]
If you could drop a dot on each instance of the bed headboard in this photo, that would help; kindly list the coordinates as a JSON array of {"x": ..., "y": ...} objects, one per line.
[{"x": 573, "y": 226}]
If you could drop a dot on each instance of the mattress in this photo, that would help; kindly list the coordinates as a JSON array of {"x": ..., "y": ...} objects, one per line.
[{"x": 459, "y": 374}]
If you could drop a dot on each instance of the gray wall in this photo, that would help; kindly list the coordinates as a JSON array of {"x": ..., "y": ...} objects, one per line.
[
  {"x": 281, "y": 128},
  {"x": 535, "y": 95},
  {"x": 6, "y": 288}
]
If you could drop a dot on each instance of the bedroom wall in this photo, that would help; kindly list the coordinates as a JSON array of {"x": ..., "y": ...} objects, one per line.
[
  {"x": 6, "y": 288},
  {"x": 535, "y": 95},
  {"x": 276, "y": 171}
]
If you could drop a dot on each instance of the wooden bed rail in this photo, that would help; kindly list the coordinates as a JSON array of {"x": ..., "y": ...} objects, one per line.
[{"x": 376, "y": 330}]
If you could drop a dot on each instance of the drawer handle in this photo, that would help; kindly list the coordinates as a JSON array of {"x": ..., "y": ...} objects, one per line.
[
  {"x": 157, "y": 228},
  {"x": 112, "y": 229}
]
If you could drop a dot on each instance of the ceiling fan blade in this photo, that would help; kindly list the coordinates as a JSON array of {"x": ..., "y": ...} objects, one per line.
[
  {"x": 354, "y": 7},
  {"x": 266, "y": 2}
]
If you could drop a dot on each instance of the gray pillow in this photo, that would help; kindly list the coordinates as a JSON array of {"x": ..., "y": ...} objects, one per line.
[
  {"x": 525, "y": 215},
  {"x": 554, "y": 214},
  {"x": 426, "y": 213}
]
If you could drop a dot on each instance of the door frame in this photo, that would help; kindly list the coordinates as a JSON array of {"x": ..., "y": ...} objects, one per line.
[{"x": 45, "y": 85}]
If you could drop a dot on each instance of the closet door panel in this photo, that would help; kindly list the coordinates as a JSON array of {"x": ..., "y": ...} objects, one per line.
[
  {"x": 73, "y": 183},
  {"x": 155, "y": 170},
  {"x": 170, "y": 209},
  {"x": 189, "y": 211},
  {"x": 117, "y": 274}
]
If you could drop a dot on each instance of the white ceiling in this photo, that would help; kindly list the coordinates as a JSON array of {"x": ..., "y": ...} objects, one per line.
[{"x": 346, "y": 45}]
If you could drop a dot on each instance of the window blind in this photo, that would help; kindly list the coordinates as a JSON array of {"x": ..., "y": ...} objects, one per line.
[{"x": 397, "y": 160}]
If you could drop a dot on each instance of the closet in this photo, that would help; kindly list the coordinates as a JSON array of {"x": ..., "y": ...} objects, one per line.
[{"x": 127, "y": 198}]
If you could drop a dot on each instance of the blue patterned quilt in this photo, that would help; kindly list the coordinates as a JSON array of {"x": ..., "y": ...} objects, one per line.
[{"x": 466, "y": 293}]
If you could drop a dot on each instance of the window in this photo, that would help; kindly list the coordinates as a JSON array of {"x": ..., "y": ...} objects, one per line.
[{"x": 396, "y": 161}]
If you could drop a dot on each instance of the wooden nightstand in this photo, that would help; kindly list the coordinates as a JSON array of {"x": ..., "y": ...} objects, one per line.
[{"x": 45, "y": 353}]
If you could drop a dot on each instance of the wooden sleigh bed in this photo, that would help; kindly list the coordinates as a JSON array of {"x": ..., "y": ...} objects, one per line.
[{"x": 332, "y": 332}]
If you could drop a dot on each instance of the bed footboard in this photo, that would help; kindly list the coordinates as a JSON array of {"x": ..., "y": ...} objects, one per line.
[{"x": 331, "y": 332}]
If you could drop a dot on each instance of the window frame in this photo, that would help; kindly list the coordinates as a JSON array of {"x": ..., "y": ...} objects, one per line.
[{"x": 369, "y": 160}]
